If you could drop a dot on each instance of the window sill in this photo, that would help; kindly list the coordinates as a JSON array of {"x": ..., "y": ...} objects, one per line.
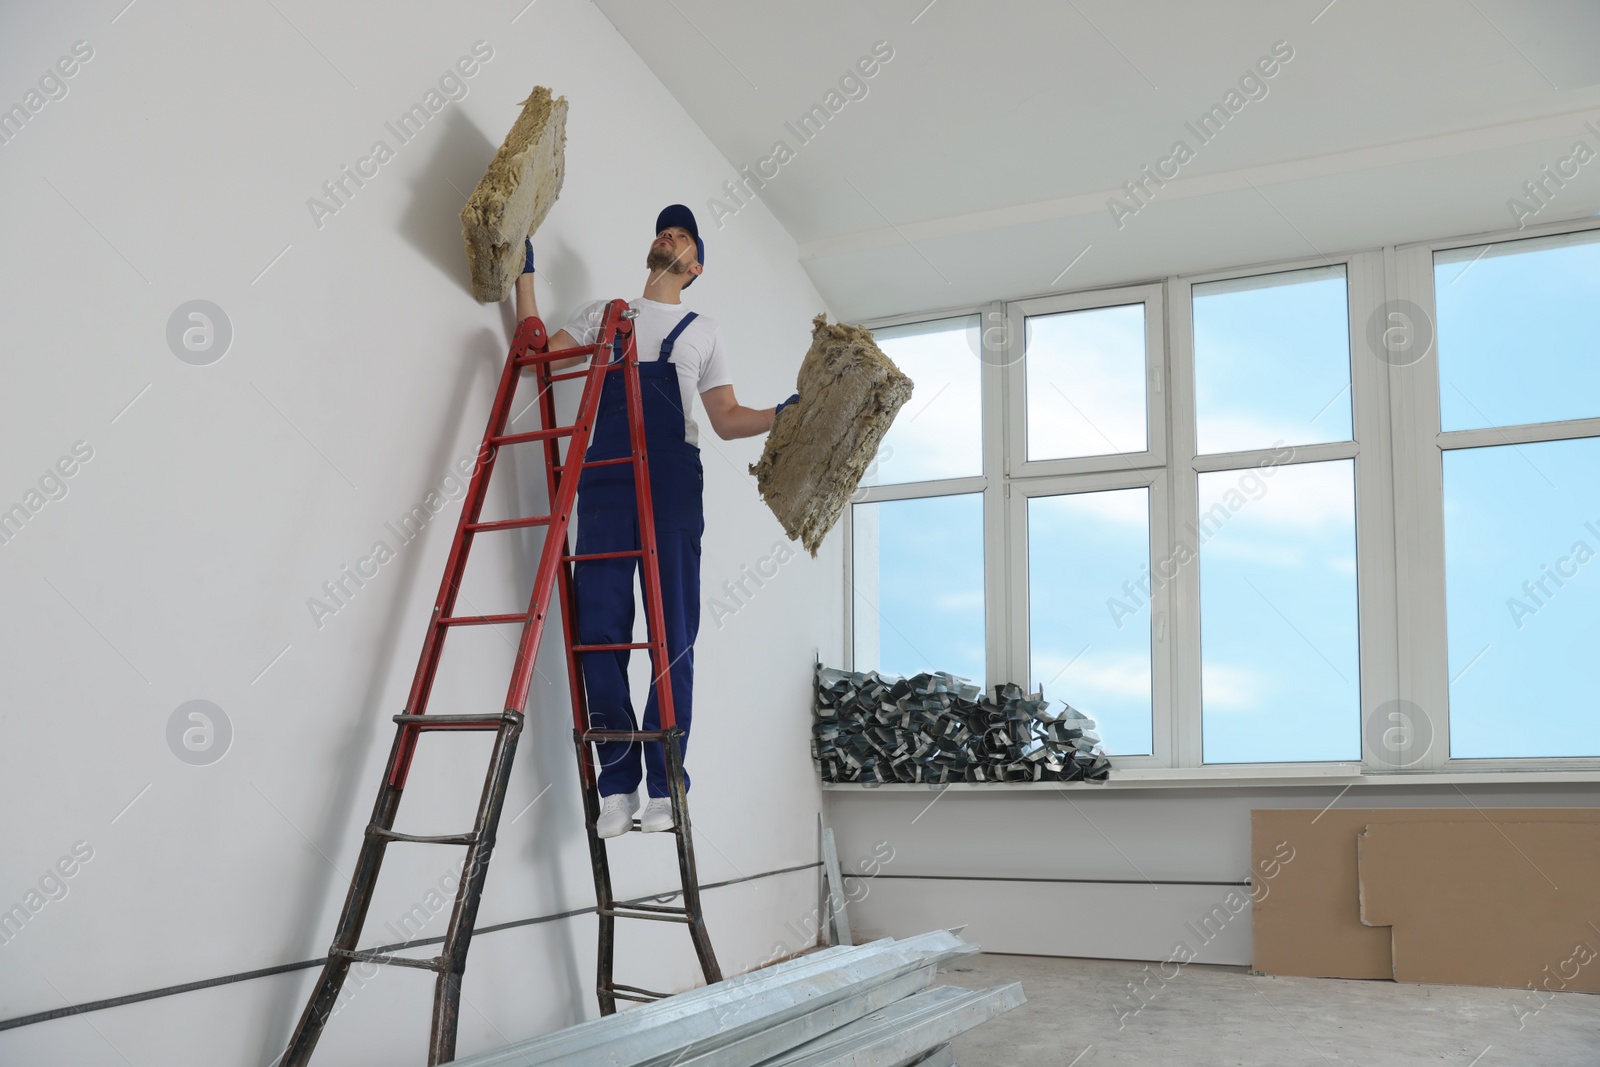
[{"x": 1317, "y": 776}]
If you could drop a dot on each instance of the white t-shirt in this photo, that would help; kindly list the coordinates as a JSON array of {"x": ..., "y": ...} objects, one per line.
[{"x": 696, "y": 355}]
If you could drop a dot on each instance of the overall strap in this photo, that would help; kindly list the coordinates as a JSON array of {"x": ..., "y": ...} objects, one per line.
[{"x": 666, "y": 345}]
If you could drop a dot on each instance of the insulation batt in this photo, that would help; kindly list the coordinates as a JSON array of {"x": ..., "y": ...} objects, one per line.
[
  {"x": 820, "y": 447},
  {"x": 515, "y": 194}
]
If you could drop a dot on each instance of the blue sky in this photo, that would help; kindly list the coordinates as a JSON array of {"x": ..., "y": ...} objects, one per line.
[
  {"x": 1280, "y": 680},
  {"x": 1517, "y": 339},
  {"x": 1279, "y": 640},
  {"x": 1526, "y": 674}
]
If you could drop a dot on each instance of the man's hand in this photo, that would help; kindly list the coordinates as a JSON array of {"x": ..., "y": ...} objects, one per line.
[
  {"x": 526, "y": 308},
  {"x": 560, "y": 341},
  {"x": 795, "y": 399}
]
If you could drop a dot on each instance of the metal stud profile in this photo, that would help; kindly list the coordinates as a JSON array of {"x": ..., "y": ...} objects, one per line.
[{"x": 939, "y": 728}]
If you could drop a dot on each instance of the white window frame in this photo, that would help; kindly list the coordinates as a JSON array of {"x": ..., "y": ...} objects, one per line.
[
  {"x": 1420, "y": 444},
  {"x": 985, "y": 483},
  {"x": 1014, "y": 376},
  {"x": 1025, "y": 479},
  {"x": 1397, "y": 450},
  {"x": 1163, "y": 720},
  {"x": 1373, "y": 503}
]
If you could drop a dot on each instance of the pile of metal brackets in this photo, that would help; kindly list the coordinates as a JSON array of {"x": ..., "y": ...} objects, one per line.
[
  {"x": 939, "y": 728},
  {"x": 863, "y": 1006}
]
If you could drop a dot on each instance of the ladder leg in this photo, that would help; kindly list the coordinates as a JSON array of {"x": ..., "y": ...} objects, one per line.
[
  {"x": 673, "y": 734},
  {"x": 672, "y": 744},
  {"x": 326, "y": 996},
  {"x": 604, "y": 972},
  {"x": 458, "y": 938},
  {"x": 446, "y": 1016}
]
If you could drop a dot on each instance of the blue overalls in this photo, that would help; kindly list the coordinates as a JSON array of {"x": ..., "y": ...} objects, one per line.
[{"x": 608, "y": 522}]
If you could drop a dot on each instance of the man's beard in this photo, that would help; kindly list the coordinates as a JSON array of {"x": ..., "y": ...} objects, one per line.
[{"x": 661, "y": 259}]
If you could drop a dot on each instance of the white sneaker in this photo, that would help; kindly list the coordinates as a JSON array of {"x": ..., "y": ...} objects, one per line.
[
  {"x": 616, "y": 814},
  {"x": 657, "y": 815}
]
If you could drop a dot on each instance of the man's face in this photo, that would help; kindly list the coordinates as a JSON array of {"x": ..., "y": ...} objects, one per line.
[{"x": 672, "y": 251}]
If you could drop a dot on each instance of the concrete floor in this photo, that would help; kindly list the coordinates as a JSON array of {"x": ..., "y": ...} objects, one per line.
[{"x": 1210, "y": 1015}]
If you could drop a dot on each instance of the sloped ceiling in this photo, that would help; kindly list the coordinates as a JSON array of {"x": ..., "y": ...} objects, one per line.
[{"x": 981, "y": 159}]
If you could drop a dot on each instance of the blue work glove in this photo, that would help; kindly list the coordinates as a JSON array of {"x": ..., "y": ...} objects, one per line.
[
  {"x": 527, "y": 260},
  {"x": 795, "y": 399}
]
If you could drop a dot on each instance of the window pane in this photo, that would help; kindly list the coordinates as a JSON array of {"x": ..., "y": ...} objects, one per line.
[
  {"x": 1272, "y": 360},
  {"x": 1278, "y": 668},
  {"x": 1087, "y": 648},
  {"x": 938, "y": 434},
  {"x": 1521, "y": 529},
  {"x": 1517, "y": 333},
  {"x": 918, "y": 598},
  {"x": 1085, "y": 374}
]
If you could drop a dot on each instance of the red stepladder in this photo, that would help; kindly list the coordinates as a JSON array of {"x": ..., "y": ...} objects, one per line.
[{"x": 529, "y": 351}]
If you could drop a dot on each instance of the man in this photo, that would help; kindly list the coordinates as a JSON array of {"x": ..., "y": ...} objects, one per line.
[{"x": 680, "y": 354}]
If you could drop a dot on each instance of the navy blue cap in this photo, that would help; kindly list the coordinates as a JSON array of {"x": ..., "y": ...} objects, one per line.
[{"x": 679, "y": 215}]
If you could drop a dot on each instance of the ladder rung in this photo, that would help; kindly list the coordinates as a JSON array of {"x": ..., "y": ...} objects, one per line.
[
  {"x": 483, "y": 620},
  {"x": 602, "y": 555},
  {"x": 565, "y": 375},
  {"x": 509, "y": 524},
  {"x": 423, "y": 839},
  {"x": 633, "y": 992},
  {"x": 560, "y": 353},
  {"x": 595, "y": 736},
  {"x": 635, "y": 913},
  {"x": 531, "y": 435},
  {"x": 454, "y": 722},
  {"x": 432, "y": 963},
  {"x": 665, "y": 909},
  {"x": 607, "y": 462},
  {"x": 607, "y": 648}
]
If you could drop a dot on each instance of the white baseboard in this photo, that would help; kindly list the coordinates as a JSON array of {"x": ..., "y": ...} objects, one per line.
[{"x": 1131, "y": 921}]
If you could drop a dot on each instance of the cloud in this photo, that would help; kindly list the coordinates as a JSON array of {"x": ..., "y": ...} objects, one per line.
[
  {"x": 1086, "y": 383},
  {"x": 1262, "y": 553},
  {"x": 1301, "y": 496},
  {"x": 1125, "y": 507},
  {"x": 959, "y": 603},
  {"x": 1229, "y": 688},
  {"x": 937, "y": 434},
  {"x": 1121, "y": 676}
]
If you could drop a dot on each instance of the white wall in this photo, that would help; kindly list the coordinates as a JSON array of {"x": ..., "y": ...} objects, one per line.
[
  {"x": 179, "y": 564},
  {"x": 1094, "y": 872}
]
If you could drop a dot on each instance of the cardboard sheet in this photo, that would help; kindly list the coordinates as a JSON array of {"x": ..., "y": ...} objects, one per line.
[
  {"x": 1306, "y": 919},
  {"x": 1508, "y": 904}
]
